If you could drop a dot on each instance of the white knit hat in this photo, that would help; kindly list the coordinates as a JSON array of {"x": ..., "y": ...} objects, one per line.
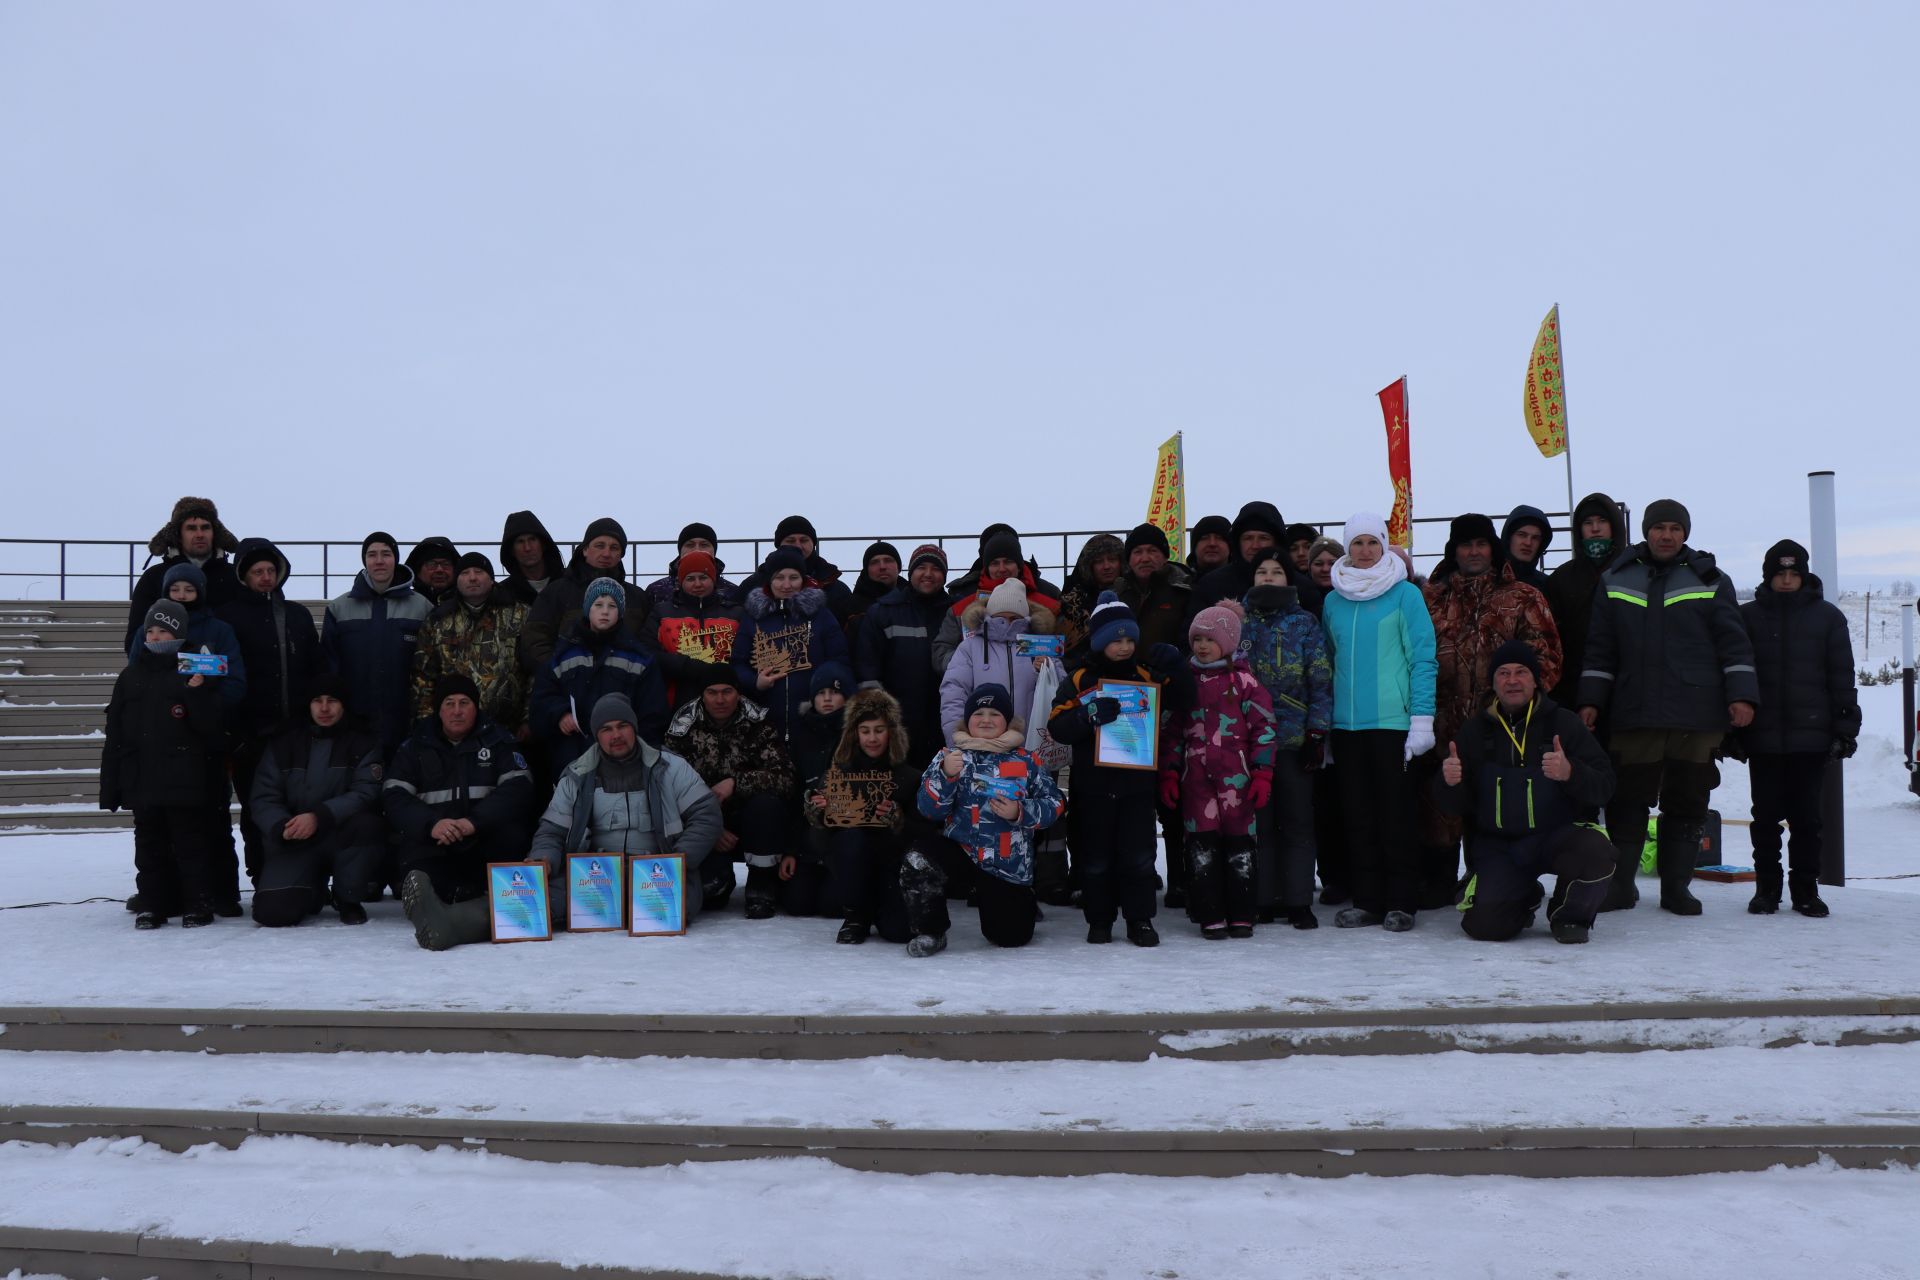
[{"x": 1363, "y": 522}]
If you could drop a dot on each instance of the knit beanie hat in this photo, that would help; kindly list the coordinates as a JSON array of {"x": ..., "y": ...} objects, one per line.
[
  {"x": 705, "y": 675},
  {"x": 452, "y": 682},
  {"x": 607, "y": 588},
  {"x": 1004, "y": 545},
  {"x": 833, "y": 675},
  {"x": 928, "y": 551},
  {"x": 329, "y": 684},
  {"x": 1009, "y": 597},
  {"x": 393, "y": 544},
  {"x": 878, "y": 549},
  {"x": 169, "y": 616},
  {"x": 1784, "y": 554},
  {"x": 476, "y": 560},
  {"x": 1147, "y": 535},
  {"x": 605, "y": 527},
  {"x": 1514, "y": 651},
  {"x": 1274, "y": 554},
  {"x": 988, "y": 697},
  {"x": 1298, "y": 533},
  {"x": 1221, "y": 621},
  {"x": 792, "y": 525},
  {"x": 1213, "y": 527},
  {"x": 1111, "y": 620},
  {"x": 1661, "y": 510},
  {"x": 1323, "y": 544},
  {"x": 1363, "y": 522},
  {"x": 695, "y": 562},
  {"x": 611, "y": 707},
  {"x": 997, "y": 527},
  {"x": 697, "y": 530},
  {"x": 188, "y": 572},
  {"x": 783, "y": 558}
]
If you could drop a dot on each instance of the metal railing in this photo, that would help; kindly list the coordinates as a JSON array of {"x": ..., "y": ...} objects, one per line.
[{"x": 65, "y": 563}]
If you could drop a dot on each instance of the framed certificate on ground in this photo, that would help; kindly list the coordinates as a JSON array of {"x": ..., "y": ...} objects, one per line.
[
  {"x": 596, "y": 892},
  {"x": 517, "y": 902},
  {"x": 656, "y": 895},
  {"x": 1133, "y": 740}
]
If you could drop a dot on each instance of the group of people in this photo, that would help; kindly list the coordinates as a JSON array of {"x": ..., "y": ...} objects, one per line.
[{"x": 869, "y": 750}]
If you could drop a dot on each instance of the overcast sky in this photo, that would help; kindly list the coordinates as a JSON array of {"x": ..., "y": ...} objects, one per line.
[{"x": 910, "y": 268}]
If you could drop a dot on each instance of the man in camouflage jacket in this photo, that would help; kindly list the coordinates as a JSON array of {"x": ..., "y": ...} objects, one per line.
[{"x": 474, "y": 634}]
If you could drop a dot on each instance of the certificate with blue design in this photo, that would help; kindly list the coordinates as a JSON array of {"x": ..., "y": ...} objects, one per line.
[
  {"x": 1131, "y": 740},
  {"x": 517, "y": 902},
  {"x": 596, "y": 892},
  {"x": 656, "y": 896}
]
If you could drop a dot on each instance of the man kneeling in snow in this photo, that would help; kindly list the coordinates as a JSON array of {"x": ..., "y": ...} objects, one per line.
[{"x": 1521, "y": 770}]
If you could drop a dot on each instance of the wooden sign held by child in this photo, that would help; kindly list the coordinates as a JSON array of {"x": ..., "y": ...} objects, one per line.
[{"x": 854, "y": 799}]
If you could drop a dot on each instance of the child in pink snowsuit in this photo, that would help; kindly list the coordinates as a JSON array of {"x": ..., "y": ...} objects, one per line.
[{"x": 1217, "y": 766}]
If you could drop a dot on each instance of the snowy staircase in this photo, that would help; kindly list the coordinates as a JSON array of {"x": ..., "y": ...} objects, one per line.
[{"x": 58, "y": 662}]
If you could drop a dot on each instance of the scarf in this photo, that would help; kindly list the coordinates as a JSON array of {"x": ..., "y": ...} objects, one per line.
[
  {"x": 1015, "y": 736},
  {"x": 1368, "y": 584}
]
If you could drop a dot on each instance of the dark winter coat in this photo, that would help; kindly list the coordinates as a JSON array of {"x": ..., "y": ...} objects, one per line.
[
  {"x": 1519, "y": 518},
  {"x": 661, "y": 590},
  {"x": 1072, "y": 725},
  {"x": 1160, "y": 604},
  {"x": 1804, "y": 652},
  {"x": 482, "y": 778},
  {"x": 1570, "y": 594},
  {"x": 814, "y": 740},
  {"x": 847, "y": 758},
  {"x": 821, "y": 575},
  {"x": 334, "y": 774},
  {"x": 222, "y": 582},
  {"x": 207, "y": 633},
  {"x": 684, "y": 632},
  {"x": 589, "y": 666},
  {"x": 1504, "y": 791},
  {"x": 1668, "y": 649},
  {"x": 746, "y": 748},
  {"x": 1232, "y": 580},
  {"x": 369, "y": 637},
  {"x": 1082, "y": 592},
  {"x": 280, "y": 645},
  {"x": 798, "y": 634},
  {"x": 163, "y": 738},
  {"x": 1289, "y": 655},
  {"x": 894, "y": 651},
  {"x": 434, "y": 549},
  {"x": 480, "y": 643},
  {"x": 515, "y": 584},
  {"x": 561, "y": 605}
]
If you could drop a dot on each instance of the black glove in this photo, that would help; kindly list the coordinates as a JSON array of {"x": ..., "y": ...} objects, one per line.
[
  {"x": 1162, "y": 658},
  {"x": 1105, "y": 710},
  {"x": 1843, "y": 748},
  {"x": 1733, "y": 747},
  {"x": 1313, "y": 752}
]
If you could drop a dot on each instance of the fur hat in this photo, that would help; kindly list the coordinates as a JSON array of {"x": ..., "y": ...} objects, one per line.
[
  {"x": 1661, "y": 510},
  {"x": 1148, "y": 535},
  {"x": 1514, "y": 651},
  {"x": 168, "y": 538},
  {"x": 607, "y": 588},
  {"x": 1222, "y": 622},
  {"x": 1010, "y": 596},
  {"x": 792, "y": 525},
  {"x": 1467, "y": 528},
  {"x": 871, "y": 704},
  {"x": 1111, "y": 620}
]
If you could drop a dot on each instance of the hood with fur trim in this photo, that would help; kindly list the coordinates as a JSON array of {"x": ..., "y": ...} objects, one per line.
[
  {"x": 167, "y": 541},
  {"x": 871, "y": 704},
  {"x": 1040, "y": 619}
]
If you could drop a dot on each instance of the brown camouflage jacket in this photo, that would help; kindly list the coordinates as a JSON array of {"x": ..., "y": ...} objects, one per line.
[
  {"x": 746, "y": 748},
  {"x": 1471, "y": 618},
  {"x": 477, "y": 644}
]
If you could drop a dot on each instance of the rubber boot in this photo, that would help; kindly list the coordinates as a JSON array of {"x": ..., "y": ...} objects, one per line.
[
  {"x": 437, "y": 925},
  {"x": 1621, "y": 893},
  {"x": 1679, "y": 843}
]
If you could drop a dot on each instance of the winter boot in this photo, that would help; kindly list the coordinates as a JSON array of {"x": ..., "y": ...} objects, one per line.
[
  {"x": 927, "y": 944},
  {"x": 1570, "y": 931},
  {"x": 1240, "y": 929},
  {"x": 1302, "y": 918},
  {"x": 148, "y": 920},
  {"x": 135, "y": 904},
  {"x": 1356, "y": 918},
  {"x": 1397, "y": 922},
  {"x": 1766, "y": 888},
  {"x": 1574, "y": 905},
  {"x": 1099, "y": 934},
  {"x": 198, "y": 916},
  {"x": 1622, "y": 894},
  {"x": 350, "y": 911},
  {"x": 1812, "y": 908},
  {"x": 853, "y": 933},
  {"x": 763, "y": 891},
  {"x": 1141, "y": 933},
  {"x": 437, "y": 925},
  {"x": 229, "y": 909},
  {"x": 716, "y": 883},
  {"x": 1216, "y": 932},
  {"x": 1679, "y": 843}
]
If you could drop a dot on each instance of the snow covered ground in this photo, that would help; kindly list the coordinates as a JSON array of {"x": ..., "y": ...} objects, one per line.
[{"x": 812, "y": 1218}]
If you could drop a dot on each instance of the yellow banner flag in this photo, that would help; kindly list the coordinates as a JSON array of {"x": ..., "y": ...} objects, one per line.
[
  {"x": 1167, "y": 504},
  {"x": 1544, "y": 402}
]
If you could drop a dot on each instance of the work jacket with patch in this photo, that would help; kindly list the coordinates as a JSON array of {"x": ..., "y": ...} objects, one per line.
[{"x": 482, "y": 778}]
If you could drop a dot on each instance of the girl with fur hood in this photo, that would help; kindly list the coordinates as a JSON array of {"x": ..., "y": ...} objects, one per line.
[
  {"x": 1217, "y": 766},
  {"x": 990, "y": 653},
  {"x": 788, "y": 631},
  {"x": 990, "y": 795},
  {"x": 862, "y": 863}
]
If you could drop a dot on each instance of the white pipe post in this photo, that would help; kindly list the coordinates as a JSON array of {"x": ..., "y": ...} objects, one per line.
[{"x": 1822, "y": 528}]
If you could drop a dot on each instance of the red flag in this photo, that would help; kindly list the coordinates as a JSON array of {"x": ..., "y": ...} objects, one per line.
[{"x": 1393, "y": 404}]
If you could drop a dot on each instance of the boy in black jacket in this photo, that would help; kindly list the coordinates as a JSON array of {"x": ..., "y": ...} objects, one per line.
[
  {"x": 316, "y": 799},
  {"x": 1110, "y": 810},
  {"x": 1523, "y": 770},
  {"x": 164, "y": 737}
]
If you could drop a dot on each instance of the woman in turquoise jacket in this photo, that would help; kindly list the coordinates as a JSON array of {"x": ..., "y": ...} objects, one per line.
[{"x": 1384, "y": 670}]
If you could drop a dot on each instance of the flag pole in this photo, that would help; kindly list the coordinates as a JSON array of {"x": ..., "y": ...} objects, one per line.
[{"x": 1573, "y": 534}]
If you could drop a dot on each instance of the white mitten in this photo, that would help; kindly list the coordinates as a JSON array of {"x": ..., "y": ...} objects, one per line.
[{"x": 1419, "y": 737}]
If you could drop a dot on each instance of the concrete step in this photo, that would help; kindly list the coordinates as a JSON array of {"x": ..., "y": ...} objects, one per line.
[
  {"x": 26, "y": 820},
  {"x": 33, "y": 720},
  {"x": 76, "y": 751},
  {"x": 62, "y": 690},
  {"x": 39, "y": 788},
  {"x": 103, "y": 661}
]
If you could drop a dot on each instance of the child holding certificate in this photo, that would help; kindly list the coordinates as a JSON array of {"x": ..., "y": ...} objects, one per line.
[
  {"x": 862, "y": 808},
  {"x": 1108, "y": 711},
  {"x": 1218, "y": 770}
]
